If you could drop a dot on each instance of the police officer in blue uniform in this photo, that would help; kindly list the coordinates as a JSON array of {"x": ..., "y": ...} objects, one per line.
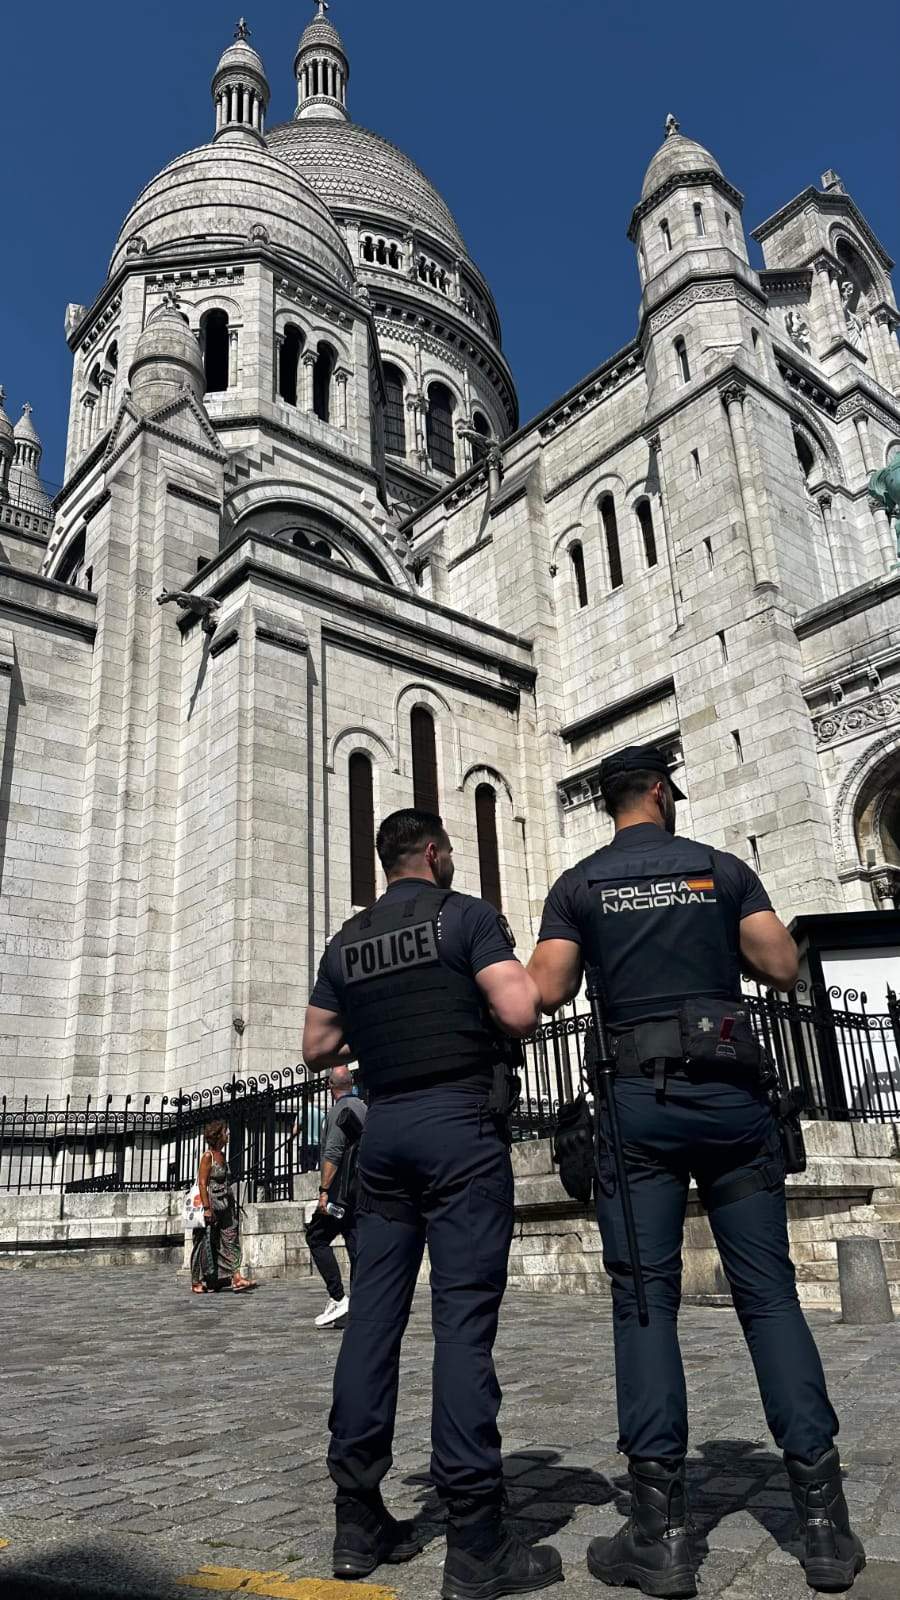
[
  {"x": 668, "y": 925},
  {"x": 416, "y": 988}
]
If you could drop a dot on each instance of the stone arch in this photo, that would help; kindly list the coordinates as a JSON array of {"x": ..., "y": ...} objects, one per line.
[
  {"x": 606, "y": 482},
  {"x": 861, "y": 781},
  {"x": 806, "y": 420},
  {"x": 357, "y": 737},
  {"x": 860, "y": 266},
  {"x": 503, "y": 851},
  {"x": 419, "y": 693},
  {"x": 481, "y": 773},
  {"x": 373, "y": 543},
  {"x": 215, "y": 301},
  {"x": 574, "y": 533}
]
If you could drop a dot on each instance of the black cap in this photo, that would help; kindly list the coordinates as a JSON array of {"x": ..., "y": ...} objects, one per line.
[{"x": 638, "y": 758}]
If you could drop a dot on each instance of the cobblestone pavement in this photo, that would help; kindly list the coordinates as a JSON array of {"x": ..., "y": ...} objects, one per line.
[{"x": 148, "y": 1434}]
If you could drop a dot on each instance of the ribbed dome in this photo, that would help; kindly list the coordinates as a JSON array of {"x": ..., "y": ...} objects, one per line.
[
  {"x": 240, "y": 55},
  {"x": 25, "y": 429},
  {"x": 351, "y": 167},
  {"x": 6, "y": 427},
  {"x": 225, "y": 195},
  {"x": 321, "y": 32},
  {"x": 677, "y": 155},
  {"x": 166, "y": 359}
]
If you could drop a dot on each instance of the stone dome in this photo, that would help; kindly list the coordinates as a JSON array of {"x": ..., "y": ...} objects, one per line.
[
  {"x": 676, "y": 155},
  {"x": 6, "y": 427},
  {"x": 241, "y": 56},
  {"x": 321, "y": 32},
  {"x": 227, "y": 195},
  {"x": 353, "y": 168},
  {"x": 25, "y": 429},
  {"x": 166, "y": 359}
]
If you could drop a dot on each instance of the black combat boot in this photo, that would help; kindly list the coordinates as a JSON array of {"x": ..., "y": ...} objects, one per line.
[
  {"x": 833, "y": 1555},
  {"x": 485, "y": 1559},
  {"x": 653, "y": 1549},
  {"x": 367, "y": 1535}
]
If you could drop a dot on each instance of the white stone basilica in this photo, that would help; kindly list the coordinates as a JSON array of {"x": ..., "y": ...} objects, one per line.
[{"x": 306, "y": 567}]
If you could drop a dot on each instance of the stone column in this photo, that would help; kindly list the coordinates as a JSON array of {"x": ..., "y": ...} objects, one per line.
[
  {"x": 825, "y": 507},
  {"x": 341, "y": 377},
  {"x": 90, "y": 402},
  {"x": 830, "y": 294},
  {"x": 105, "y": 390},
  {"x": 494, "y": 468},
  {"x": 417, "y": 405},
  {"x": 308, "y": 362},
  {"x": 735, "y": 398},
  {"x": 233, "y": 355},
  {"x": 655, "y": 443},
  {"x": 885, "y": 342},
  {"x": 861, "y": 423},
  {"x": 276, "y": 379},
  {"x": 468, "y": 455}
]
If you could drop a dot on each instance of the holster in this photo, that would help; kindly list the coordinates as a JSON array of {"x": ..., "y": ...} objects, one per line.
[
  {"x": 786, "y": 1106},
  {"x": 506, "y": 1085},
  {"x": 573, "y": 1148}
]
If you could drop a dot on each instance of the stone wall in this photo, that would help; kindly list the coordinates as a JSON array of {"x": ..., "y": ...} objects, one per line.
[{"x": 96, "y": 1230}]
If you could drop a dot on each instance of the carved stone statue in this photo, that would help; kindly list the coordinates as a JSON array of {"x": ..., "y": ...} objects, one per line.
[
  {"x": 797, "y": 330},
  {"x": 853, "y": 320},
  {"x": 199, "y": 605},
  {"x": 884, "y": 487}
]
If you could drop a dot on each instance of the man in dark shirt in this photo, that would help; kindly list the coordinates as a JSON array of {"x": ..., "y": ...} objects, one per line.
[
  {"x": 340, "y": 1137},
  {"x": 668, "y": 925},
  {"x": 416, "y": 988}
]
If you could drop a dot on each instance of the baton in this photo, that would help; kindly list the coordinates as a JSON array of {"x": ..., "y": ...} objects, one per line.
[{"x": 605, "y": 1072}]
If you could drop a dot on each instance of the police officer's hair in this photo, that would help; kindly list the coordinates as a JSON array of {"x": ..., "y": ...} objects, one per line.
[
  {"x": 624, "y": 789},
  {"x": 406, "y": 833}
]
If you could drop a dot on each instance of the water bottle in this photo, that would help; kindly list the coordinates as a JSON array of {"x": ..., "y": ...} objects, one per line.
[{"x": 334, "y": 1210}]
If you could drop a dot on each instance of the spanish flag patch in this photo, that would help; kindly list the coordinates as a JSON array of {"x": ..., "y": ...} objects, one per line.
[{"x": 699, "y": 884}]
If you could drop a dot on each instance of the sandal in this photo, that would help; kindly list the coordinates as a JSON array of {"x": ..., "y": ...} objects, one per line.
[
  {"x": 242, "y": 1285},
  {"x": 199, "y": 1288}
]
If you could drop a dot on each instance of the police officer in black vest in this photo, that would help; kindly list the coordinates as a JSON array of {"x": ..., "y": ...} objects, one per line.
[
  {"x": 668, "y": 925},
  {"x": 415, "y": 989}
]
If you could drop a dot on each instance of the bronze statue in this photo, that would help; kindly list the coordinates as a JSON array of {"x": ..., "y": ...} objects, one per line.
[{"x": 884, "y": 487}]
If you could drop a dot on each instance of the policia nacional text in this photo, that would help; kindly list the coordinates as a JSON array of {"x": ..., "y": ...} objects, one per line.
[{"x": 424, "y": 991}]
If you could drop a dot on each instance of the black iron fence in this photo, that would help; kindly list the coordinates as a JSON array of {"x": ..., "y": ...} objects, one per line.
[{"x": 845, "y": 1059}]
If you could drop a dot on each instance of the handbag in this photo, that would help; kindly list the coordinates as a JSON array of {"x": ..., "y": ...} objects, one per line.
[{"x": 192, "y": 1209}]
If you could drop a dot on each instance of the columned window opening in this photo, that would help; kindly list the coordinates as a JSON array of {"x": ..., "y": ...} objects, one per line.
[
  {"x": 439, "y": 429},
  {"x": 289, "y": 362},
  {"x": 576, "y": 556},
  {"x": 681, "y": 356},
  {"x": 666, "y": 235},
  {"x": 424, "y": 760},
  {"x": 394, "y": 414},
  {"x": 214, "y": 349},
  {"x": 326, "y": 359},
  {"x": 645, "y": 518},
  {"x": 362, "y": 829},
  {"x": 727, "y": 222},
  {"x": 488, "y": 854},
  {"x": 611, "y": 533},
  {"x": 71, "y": 567},
  {"x": 699, "y": 224}
]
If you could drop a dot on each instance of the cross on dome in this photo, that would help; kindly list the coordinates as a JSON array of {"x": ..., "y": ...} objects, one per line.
[
  {"x": 241, "y": 31},
  {"x": 321, "y": 7},
  {"x": 672, "y": 125}
]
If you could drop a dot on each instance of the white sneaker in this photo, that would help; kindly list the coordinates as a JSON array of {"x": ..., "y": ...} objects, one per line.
[{"x": 333, "y": 1312}]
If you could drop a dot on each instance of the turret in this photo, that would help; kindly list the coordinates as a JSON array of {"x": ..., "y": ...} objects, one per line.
[
  {"x": 25, "y": 487},
  {"x": 688, "y": 217},
  {"x": 322, "y": 70},
  {"x": 240, "y": 91},
  {"x": 7, "y": 448},
  {"x": 167, "y": 359}
]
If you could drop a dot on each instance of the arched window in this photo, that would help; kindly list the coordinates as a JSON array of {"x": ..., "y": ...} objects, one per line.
[
  {"x": 805, "y": 456},
  {"x": 326, "y": 360},
  {"x": 699, "y": 224},
  {"x": 483, "y": 429},
  {"x": 488, "y": 854},
  {"x": 666, "y": 235},
  {"x": 439, "y": 429},
  {"x": 611, "y": 531},
  {"x": 424, "y": 760},
  {"x": 576, "y": 556},
  {"x": 394, "y": 415},
  {"x": 71, "y": 567},
  {"x": 645, "y": 518},
  {"x": 111, "y": 360},
  {"x": 288, "y": 363},
  {"x": 214, "y": 348},
  {"x": 362, "y": 829},
  {"x": 681, "y": 356}
]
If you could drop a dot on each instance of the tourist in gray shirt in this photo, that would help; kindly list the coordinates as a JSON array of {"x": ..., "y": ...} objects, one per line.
[{"x": 335, "y": 1213}]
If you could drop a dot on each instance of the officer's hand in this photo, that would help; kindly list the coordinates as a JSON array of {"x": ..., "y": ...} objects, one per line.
[{"x": 323, "y": 1202}]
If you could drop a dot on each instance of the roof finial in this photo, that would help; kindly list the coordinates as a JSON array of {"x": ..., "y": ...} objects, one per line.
[
  {"x": 241, "y": 31},
  {"x": 27, "y": 409},
  {"x": 672, "y": 125},
  {"x": 323, "y": 6}
]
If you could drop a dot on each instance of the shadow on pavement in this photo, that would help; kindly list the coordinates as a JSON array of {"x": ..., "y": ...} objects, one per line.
[
  {"x": 81, "y": 1571},
  {"x": 736, "y": 1475},
  {"x": 542, "y": 1495}
]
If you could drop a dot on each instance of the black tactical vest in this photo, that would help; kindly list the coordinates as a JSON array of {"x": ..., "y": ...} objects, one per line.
[
  {"x": 407, "y": 1016},
  {"x": 656, "y": 930}
]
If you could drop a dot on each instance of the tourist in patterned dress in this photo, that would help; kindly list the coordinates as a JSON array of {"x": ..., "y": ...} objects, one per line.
[{"x": 216, "y": 1251}]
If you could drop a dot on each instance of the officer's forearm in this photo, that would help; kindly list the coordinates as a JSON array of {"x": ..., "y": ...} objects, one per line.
[
  {"x": 327, "y": 1175},
  {"x": 329, "y": 1058}
]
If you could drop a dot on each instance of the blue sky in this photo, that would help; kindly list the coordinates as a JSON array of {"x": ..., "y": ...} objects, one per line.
[{"x": 535, "y": 120}]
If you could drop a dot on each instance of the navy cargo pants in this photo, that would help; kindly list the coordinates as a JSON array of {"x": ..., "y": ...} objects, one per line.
[
  {"x": 714, "y": 1132},
  {"x": 437, "y": 1164}
]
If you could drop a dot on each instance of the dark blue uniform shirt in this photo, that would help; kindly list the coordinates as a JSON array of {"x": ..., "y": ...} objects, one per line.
[
  {"x": 565, "y": 912},
  {"x": 471, "y": 935}
]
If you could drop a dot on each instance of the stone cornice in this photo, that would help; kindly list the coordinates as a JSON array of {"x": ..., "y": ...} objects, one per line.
[
  {"x": 786, "y": 280},
  {"x": 207, "y": 583},
  {"x": 464, "y": 682},
  {"x": 708, "y": 179},
  {"x": 699, "y": 290},
  {"x": 25, "y": 611},
  {"x": 194, "y": 498},
  {"x": 848, "y": 605},
  {"x": 838, "y": 204},
  {"x": 82, "y": 471},
  {"x": 609, "y": 714},
  {"x": 306, "y": 441}
]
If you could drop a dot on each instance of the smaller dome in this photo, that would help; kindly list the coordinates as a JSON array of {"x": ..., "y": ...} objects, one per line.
[
  {"x": 6, "y": 427},
  {"x": 166, "y": 359},
  {"x": 320, "y": 32},
  {"x": 675, "y": 156},
  {"x": 25, "y": 430},
  {"x": 240, "y": 56}
]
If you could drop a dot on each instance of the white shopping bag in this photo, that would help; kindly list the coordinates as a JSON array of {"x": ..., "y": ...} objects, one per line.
[{"x": 193, "y": 1210}]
